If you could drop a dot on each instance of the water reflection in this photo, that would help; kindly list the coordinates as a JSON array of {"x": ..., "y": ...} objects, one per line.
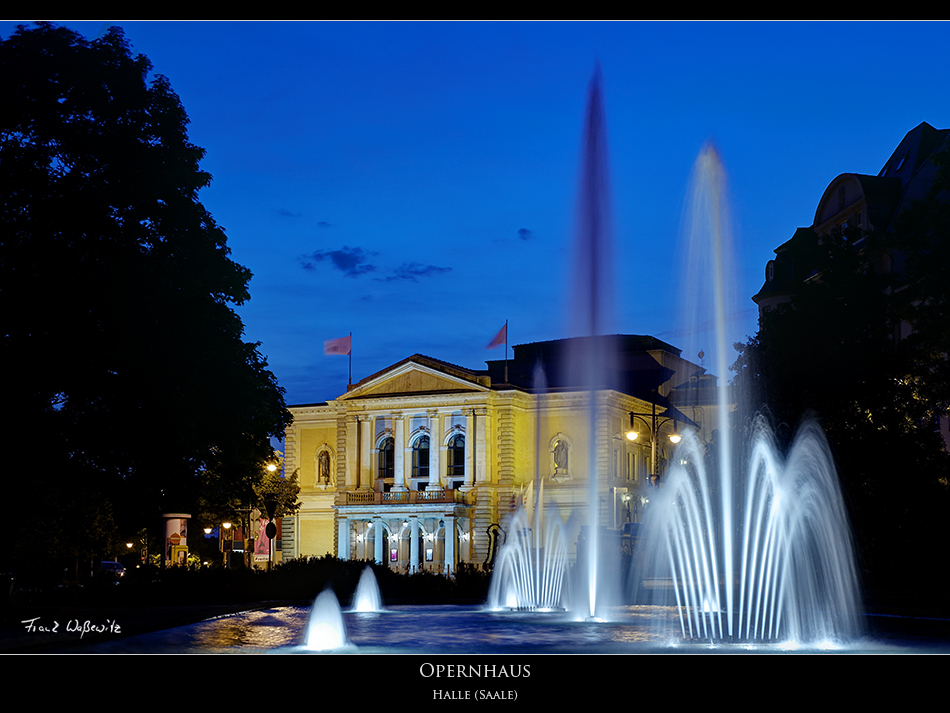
[
  {"x": 447, "y": 629},
  {"x": 265, "y": 629},
  {"x": 246, "y": 632}
]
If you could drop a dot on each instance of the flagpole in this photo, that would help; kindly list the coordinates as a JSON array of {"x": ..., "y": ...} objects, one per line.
[
  {"x": 506, "y": 351},
  {"x": 496, "y": 341},
  {"x": 349, "y": 378}
]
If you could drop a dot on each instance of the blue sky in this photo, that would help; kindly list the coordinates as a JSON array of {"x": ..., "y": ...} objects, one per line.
[{"x": 415, "y": 183}]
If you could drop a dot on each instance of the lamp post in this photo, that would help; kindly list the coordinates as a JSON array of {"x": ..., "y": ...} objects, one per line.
[
  {"x": 245, "y": 517},
  {"x": 224, "y": 541},
  {"x": 654, "y": 425}
]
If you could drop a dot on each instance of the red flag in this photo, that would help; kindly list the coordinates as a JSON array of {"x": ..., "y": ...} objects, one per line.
[
  {"x": 500, "y": 338},
  {"x": 337, "y": 346}
]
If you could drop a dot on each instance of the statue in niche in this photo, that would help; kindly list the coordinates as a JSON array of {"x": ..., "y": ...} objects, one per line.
[
  {"x": 560, "y": 456},
  {"x": 323, "y": 468}
]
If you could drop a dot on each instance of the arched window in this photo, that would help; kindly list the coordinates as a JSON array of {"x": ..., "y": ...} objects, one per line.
[
  {"x": 387, "y": 458},
  {"x": 456, "y": 456},
  {"x": 420, "y": 457}
]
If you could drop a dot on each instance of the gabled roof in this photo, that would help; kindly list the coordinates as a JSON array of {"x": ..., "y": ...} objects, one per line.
[{"x": 418, "y": 374}]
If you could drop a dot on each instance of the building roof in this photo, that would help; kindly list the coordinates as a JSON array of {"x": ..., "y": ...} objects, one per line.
[
  {"x": 792, "y": 265},
  {"x": 638, "y": 365},
  {"x": 906, "y": 176},
  {"x": 437, "y": 364},
  {"x": 912, "y": 162}
]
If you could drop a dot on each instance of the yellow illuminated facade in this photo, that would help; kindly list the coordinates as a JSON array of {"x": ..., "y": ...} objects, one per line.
[{"x": 422, "y": 464}]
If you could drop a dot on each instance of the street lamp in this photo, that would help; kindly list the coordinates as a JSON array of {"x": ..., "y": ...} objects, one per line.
[
  {"x": 245, "y": 516},
  {"x": 654, "y": 425},
  {"x": 225, "y": 543}
]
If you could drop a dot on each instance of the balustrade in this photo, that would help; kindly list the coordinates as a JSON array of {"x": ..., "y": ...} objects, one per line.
[{"x": 404, "y": 497}]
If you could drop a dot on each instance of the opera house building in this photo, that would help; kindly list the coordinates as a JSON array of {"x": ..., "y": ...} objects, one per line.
[{"x": 423, "y": 464}]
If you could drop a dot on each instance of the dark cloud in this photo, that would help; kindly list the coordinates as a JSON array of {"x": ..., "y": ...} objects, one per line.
[
  {"x": 352, "y": 262},
  {"x": 412, "y": 271},
  {"x": 285, "y": 213},
  {"x": 324, "y": 224},
  {"x": 525, "y": 234}
]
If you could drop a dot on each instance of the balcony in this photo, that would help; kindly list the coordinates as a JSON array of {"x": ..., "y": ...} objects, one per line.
[{"x": 403, "y": 497}]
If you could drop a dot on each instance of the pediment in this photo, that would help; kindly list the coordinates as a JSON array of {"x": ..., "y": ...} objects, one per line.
[{"x": 416, "y": 377}]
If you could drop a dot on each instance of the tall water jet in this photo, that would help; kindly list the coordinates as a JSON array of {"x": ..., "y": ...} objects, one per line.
[
  {"x": 367, "y": 597},
  {"x": 755, "y": 547},
  {"x": 532, "y": 563},
  {"x": 591, "y": 307}
]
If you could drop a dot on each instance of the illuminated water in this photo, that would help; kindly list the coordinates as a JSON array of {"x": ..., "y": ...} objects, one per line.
[
  {"x": 754, "y": 546},
  {"x": 791, "y": 574},
  {"x": 326, "y": 630},
  {"x": 531, "y": 572},
  {"x": 532, "y": 564},
  {"x": 367, "y": 597},
  {"x": 465, "y": 630}
]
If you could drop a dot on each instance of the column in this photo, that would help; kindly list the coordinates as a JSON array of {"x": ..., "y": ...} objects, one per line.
[
  {"x": 399, "y": 452},
  {"x": 448, "y": 541},
  {"x": 378, "y": 541},
  {"x": 351, "y": 457},
  {"x": 469, "y": 449},
  {"x": 435, "y": 448},
  {"x": 465, "y": 541},
  {"x": 343, "y": 539},
  {"x": 482, "y": 473},
  {"x": 367, "y": 437},
  {"x": 413, "y": 544}
]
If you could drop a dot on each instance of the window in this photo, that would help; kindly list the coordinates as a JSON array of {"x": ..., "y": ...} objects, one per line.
[
  {"x": 456, "y": 456},
  {"x": 386, "y": 458},
  {"x": 420, "y": 457}
]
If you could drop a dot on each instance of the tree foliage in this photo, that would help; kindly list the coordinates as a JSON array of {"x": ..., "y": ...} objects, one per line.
[
  {"x": 280, "y": 489},
  {"x": 128, "y": 368},
  {"x": 833, "y": 350},
  {"x": 920, "y": 249}
]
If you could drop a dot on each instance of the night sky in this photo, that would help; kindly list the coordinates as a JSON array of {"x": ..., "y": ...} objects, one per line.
[{"x": 415, "y": 183}]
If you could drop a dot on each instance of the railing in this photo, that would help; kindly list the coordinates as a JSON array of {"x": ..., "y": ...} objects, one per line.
[{"x": 401, "y": 497}]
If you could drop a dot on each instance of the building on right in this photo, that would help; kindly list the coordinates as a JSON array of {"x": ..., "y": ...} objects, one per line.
[
  {"x": 854, "y": 200},
  {"x": 857, "y": 206}
]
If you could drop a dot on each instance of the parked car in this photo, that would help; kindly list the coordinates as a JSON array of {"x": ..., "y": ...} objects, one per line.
[{"x": 113, "y": 570}]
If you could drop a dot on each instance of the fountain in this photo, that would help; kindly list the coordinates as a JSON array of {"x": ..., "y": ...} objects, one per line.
[
  {"x": 531, "y": 572},
  {"x": 754, "y": 548},
  {"x": 325, "y": 628},
  {"x": 367, "y": 597},
  {"x": 743, "y": 546},
  {"x": 793, "y": 576}
]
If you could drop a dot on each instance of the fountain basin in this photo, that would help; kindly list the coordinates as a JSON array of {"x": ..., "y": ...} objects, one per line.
[{"x": 461, "y": 630}]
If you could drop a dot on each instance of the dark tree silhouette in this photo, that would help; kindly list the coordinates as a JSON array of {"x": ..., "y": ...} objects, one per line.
[{"x": 127, "y": 378}]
